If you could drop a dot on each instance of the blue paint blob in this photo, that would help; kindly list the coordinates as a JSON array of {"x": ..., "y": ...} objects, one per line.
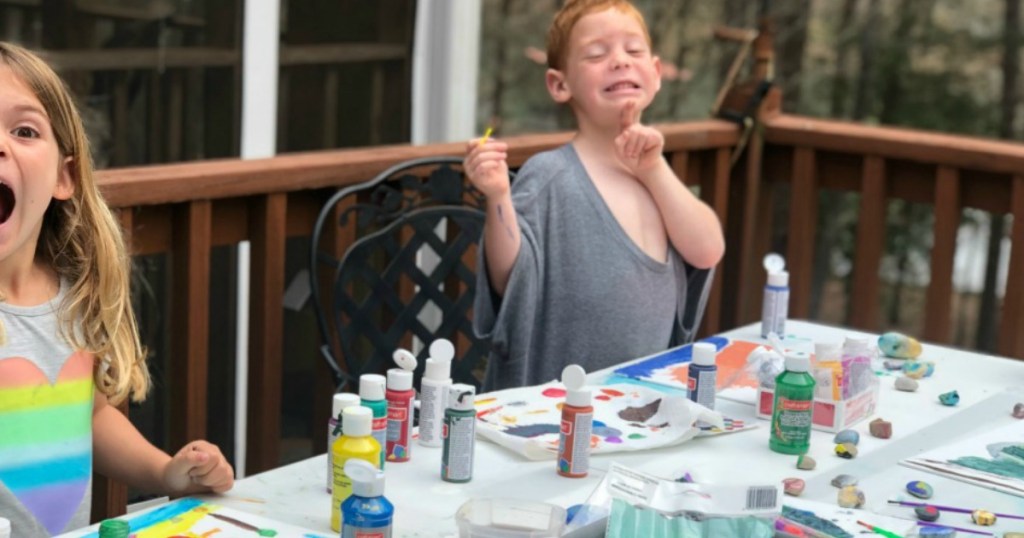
[
  {"x": 644, "y": 369},
  {"x": 607, "y": 432},
  {"x": 533, "y": 430}
]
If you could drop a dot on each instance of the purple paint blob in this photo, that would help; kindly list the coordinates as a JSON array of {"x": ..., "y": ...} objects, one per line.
[
  {"x": 613, "y": 440},
  {"x": 533, "y": 430}
]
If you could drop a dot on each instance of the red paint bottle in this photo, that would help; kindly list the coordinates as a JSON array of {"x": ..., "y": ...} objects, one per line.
[
  {"x": 577, "y": 424},
  {"x": 399, "y": 396}
]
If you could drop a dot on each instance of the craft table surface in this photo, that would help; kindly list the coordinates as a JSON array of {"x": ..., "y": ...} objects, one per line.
[{"x": 426, "y": 506}]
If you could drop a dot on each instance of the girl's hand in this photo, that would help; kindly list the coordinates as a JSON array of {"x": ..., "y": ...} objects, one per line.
[
  {"x": 638, "y": 147},
  {"x": 486, "y": 167},
  {"x": 199, "y": 466}
]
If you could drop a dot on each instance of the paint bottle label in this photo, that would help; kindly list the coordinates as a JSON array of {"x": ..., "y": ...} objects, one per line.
[
  {"x": 701, "y": 385},
  {"x": 333, "y": 433},
  {"x": 399, "y": 429},
  {"x": 574, "y": 444},
  {"x": 791, "y": 425},
  {"x": 775, "y": 308},
  {"x": 432, "y": 405},
  {"x": 457, "y": 456},
  {"x": 365, "y": 532}
]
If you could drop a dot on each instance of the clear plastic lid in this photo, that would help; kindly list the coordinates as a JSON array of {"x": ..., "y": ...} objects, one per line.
[
  {"x": 357, "y": 421},
  {"x": 367, "y": 480},
  {"x": 704, "y": 353},
  {"x": 341, "y": 401},
  {"x": 371, "y": 387}
]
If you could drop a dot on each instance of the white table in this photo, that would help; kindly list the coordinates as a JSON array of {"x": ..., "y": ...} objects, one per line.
[{"x": 425, "y": 505}]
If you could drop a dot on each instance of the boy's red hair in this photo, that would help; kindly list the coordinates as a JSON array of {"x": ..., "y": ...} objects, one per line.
[{"x": 571, "y": 13}]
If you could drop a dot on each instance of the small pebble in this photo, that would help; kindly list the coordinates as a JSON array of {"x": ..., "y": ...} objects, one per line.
[
  {"x": 851, "y": 497},
  {"x": 899, "y": 345},
  {"x": 906, "y": 384},
  {"x": 1018, "y": 412},
  {"x": 950, "y": 398},
  {"x": 919, "y": 489},
  {"x": 805, "y": 463},
  {"x": 927, "y": 513},
  {"x": 1014, "y": 535},
  {"x": 915, "y": 369},
  {"x": 881, "y": 429},
  {"x": 983, "y": 518},
  {"x": 893, "y": 364},
  {"x": 846, "y": 451},
  {"x": 793, "y": 486},
  {"x": 846, "y": 436},
  {"x": 843, "y": 480}
]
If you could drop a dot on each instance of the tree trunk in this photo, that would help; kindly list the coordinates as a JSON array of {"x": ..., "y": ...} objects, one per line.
[
  {"x": 864, "y": 99},
  {"x": 896, "y": 62},
  {"x": 988, "y": 313},
  {"x": 845, "y": 33},
  {"x": 792, "y": 23},
  {"x": 735, "y": 14},
  {"x": 500, "y": 63}
]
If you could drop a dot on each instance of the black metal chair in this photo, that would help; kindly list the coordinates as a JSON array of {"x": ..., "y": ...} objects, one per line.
[{"x": 379, "y": 287}]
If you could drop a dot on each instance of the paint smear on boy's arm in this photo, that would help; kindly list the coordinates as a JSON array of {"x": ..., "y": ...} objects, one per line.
[{"x": 508, "y": 229}]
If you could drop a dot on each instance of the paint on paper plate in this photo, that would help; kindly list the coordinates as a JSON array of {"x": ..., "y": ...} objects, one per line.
[{"x": 626, "y": 417}]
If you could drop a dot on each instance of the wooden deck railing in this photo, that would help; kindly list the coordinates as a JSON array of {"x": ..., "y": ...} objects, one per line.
[{"x": 186, "y": 209}]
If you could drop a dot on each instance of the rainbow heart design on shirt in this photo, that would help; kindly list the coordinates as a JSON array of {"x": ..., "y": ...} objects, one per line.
[{"x": 46, "y": 437}]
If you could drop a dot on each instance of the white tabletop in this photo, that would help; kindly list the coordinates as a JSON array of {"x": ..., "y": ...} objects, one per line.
[{"x": 425, "y": 505}]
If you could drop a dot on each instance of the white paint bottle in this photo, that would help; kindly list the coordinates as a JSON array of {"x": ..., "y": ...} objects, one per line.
[{"x": 434, "y": 392}]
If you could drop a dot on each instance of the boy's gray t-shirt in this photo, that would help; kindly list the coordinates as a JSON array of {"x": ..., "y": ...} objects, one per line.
[
  {"x": 581, "y": 291},
  {"x": 46, "y": 400}
]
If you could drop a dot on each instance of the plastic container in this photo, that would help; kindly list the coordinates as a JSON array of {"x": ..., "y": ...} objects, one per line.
[
  {"x": 340, "y": 402},
  {"x": 400, "y": 396},
  {"x": 372, "y": 394},
  {"x": 366, "y": 513},
  {"x": 459, "y": 434},
  {"x": 509, "y": 518}
]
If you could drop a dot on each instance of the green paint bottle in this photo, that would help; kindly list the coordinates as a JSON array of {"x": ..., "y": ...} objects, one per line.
[
  {"x": 794, "y": 405},
  {"x": 459, "y": 433}
]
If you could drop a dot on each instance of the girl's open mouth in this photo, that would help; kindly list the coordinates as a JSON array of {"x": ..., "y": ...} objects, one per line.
[{"x": 6, "y": 202}]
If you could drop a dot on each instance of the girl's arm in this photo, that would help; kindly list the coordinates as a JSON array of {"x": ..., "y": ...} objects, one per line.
[{"x": 122, "y": 453}]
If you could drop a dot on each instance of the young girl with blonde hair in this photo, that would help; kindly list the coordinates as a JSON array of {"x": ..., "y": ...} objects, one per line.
[{"x": 69, "y": 343}]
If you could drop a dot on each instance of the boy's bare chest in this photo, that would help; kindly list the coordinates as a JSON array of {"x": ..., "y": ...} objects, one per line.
[{"x": 636, "y": 212}]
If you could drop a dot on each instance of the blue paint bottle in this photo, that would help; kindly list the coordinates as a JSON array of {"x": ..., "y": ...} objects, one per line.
[
  {"x": 366, "y": 512},
  {"x": 703, "y": 374}
]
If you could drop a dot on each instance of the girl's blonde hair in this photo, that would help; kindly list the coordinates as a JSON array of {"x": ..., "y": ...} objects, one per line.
[{"x": 82, "y": 242}]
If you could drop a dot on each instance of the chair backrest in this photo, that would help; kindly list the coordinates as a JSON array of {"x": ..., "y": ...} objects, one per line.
[
  {"x": 698, "y": 288},
  {"x": 413, "y": 232}
]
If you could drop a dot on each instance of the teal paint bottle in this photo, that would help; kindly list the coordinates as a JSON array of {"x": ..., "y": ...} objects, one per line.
[
  {"x": 459, "y": 433},
  {"x": 372, "y": 394},
  {"x": 794, "y": 406}
]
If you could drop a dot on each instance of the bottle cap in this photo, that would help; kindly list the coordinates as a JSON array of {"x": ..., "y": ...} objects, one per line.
[
  {"x": 442, "y": 350},
  {"x": 796, "y": 361},
  {"x": 461, "y": 397},
  {"x": 357, "y": 421},
  {"x": 826, "y": 351},
  {"x": 438, "y": 370},
  {"x": 371, "y": 387},
  {"x": 114, "y": 528},
  {"x": 5, "y": 527},
  {"x": 779, "y": 279},
  {"x": 574, "y": 377},
  {"x": 367, "y": 480},
  {"x": 855, "y": 342},
  {"x": 341, "y": 401},
  {"x": 404, "y": 359},
  {"x": 400, "y": 380},
  {"x": 704, "y": 353},
  {"x": 773, "y": 262}
]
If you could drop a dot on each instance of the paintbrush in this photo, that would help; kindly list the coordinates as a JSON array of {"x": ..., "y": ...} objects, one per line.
[
  {"x": 959, "y": 529},
  {"x": 236, "y": 522},
  {"x": 487, "y": 134},
  {"x": 879, "y": 530},
  {"x": 953, "y": 509}
]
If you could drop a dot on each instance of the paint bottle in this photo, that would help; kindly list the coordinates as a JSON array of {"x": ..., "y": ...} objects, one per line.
[
  {"x": 340, "y": 402},
  {"x": 356, "y": 442},
  {"x": 399, "y": 397},
  {"x": 114, "y": 528},
  {"x": 459, "y": 433},
  {"x": 577, "y": 424},
  {"x": 366, "y": 513},
  {"x": 702, "y": 374},
  {"x": 5, "y": 528},
  {"x": 775, "y": 308},
  {"x": 434, "y": 391},
  {"x": 794, "y": 405},
  {"x": 372, "y": 394}
]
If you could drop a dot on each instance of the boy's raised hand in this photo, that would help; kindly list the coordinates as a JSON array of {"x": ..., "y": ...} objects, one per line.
[
  {"x": 486, "y": 166},
  {"x": 638, "y": 146},
  {"x": 199, "y": 466}
]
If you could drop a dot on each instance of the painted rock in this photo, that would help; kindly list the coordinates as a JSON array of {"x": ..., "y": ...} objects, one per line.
[
  {"x": 950, "y": 398},
  {"x": 936, "y": 532},
  {"x": 893, "y": 364},
  {"x": 919, "y": 489},
  {"x": 983, "y": 518},
  {"x": 846, "y": 436},
  {"x": 1013, "y": 535},
  {"x": 793, "y": 486},
  {"x": 906, "y": 384},
  {"x": 843, "y": 480},
  {"x": 927, "y": 513},
  {"x": 881, "y": 429},
  {"x": 805, "y": 463},
  {"x": 846, "y": 450},
  {"x": 1018, "y": 412},
  {"x": 916, "y": 369},
  {"x": 899, "y": 346},
  {"x": 851, "y": 497}
]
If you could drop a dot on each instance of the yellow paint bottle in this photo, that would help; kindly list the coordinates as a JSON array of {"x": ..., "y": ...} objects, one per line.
[{"x": 356, "y": 442}]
